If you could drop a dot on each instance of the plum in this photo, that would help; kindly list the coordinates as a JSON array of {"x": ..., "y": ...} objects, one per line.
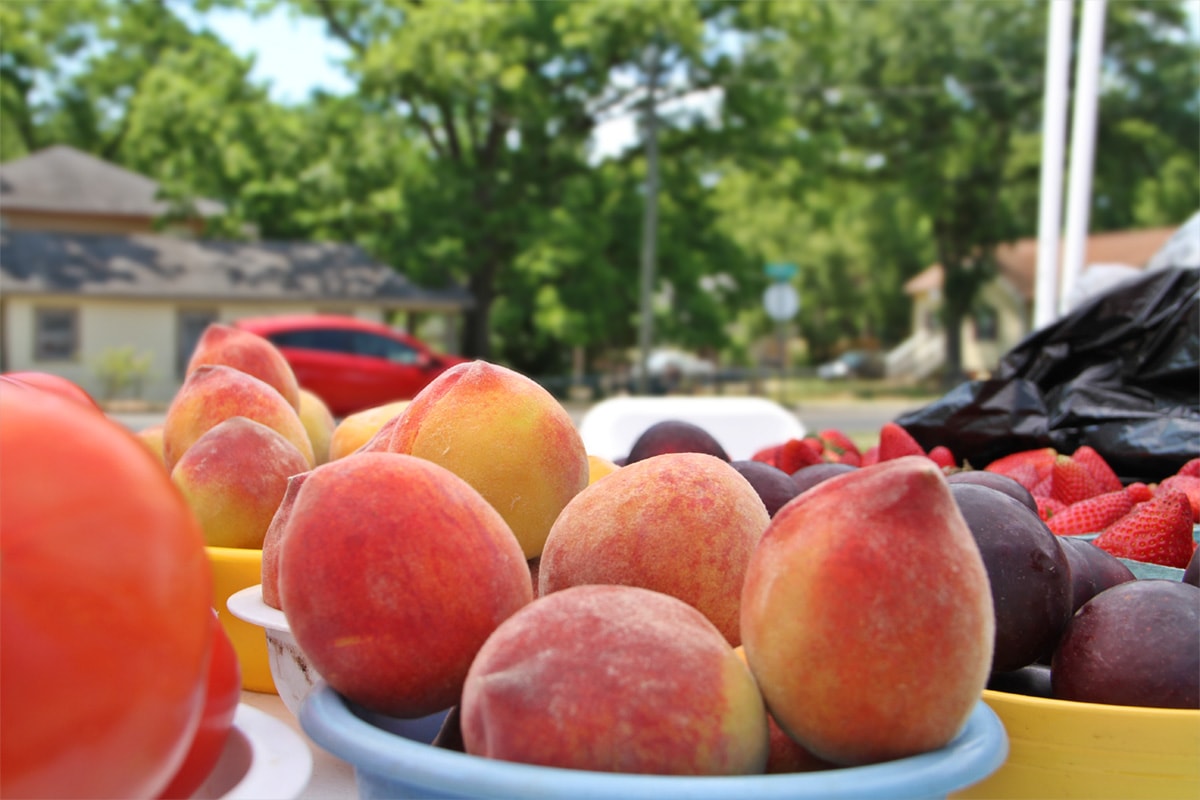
[
  {"x": 1136, "y": 644},
  {"x": 773, "y": 485},
  {"x": 1092, "y": 570},
  {"x": 807, "y": 477},
  {"x": 1191, "y": 573},
  {"x": 675, "y": 436},
  {"x": 1028, "y": 571},
  {"x": 995, "y": 480},
  {"x": 1031, "y": 681}
]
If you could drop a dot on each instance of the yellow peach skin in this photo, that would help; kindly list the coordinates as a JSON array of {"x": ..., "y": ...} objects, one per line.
[
  {"x": 356, "y": 429},
  {"x": 318, "y": 423}
]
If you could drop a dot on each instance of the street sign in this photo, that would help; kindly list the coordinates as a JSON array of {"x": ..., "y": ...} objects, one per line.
[
  {"x": 781, "y": 301},
  {"x": 780, "y": 271}
]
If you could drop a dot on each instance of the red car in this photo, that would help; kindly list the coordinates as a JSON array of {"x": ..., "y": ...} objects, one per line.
[{"x": 350, "y": 363}]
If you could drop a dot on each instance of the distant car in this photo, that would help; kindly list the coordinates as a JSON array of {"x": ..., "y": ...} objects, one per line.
[
  {"x": 350, "y": 363},
  {"x": 853, "y": 364}
]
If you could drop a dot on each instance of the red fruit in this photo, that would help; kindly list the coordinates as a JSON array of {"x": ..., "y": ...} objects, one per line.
[
  {"x": 1190, "y": 486},
  {"x": 1139, "y": 492},
  {"x": 1091, "y": 515},
  {"x": 942, "y": 456},
  {"x": 895, "y": 442},
  {"x": 1106, "y": 479},
  {"x": 1024, "y": 474},
  {"x": 854, "y": 459},
  {"x": 814, "y": 443},
  {"x": 1158, "y": 531},
  {"x": 871, "y": 456},
  {"x": 789, "y": 456},
  {"x": 1048, "y": 507},
  {"x": 1191, "y": 468},
  {"x": 1070, "y": 481},
  {"x": 1041, "y": 459},
  {"x": 838, "y": 442}
]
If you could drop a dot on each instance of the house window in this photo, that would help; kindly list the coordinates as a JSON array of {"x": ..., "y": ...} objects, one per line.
[
  {"x": 56, "y": 334},
  {"x": 986, "y": 324},
  {"x": 191, "y": 326}
]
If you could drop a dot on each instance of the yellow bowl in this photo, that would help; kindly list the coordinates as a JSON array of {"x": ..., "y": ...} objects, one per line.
[
  {"x": 234, "y": 569},
  {"x": 1063, "y": 749}
]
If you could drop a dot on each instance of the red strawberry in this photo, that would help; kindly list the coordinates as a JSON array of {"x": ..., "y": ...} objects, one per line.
[
  {"x": 854, "y": 459},
  {"x": 1091, "y": 515},
  {"x": 1106, "y": 479},
  {"x": 1139, "y": 492},
  {"x": 1047, "y": 507},
  {"x": 789, "y": 456},
  {"x": 942, "y": 456},
  {"x": 1190, "y": 486},
  {"x": 1024, "y": 474},
  {"x": 1158, "y": 531},
  {"x": 1070, "y": 481},
  {"x": 1041, "y": 459},
  {"x": 815, "y": 444},
  {"x": 1191, "y": 468},
  {"x": 895, "y": 442},
  {"x": 871, "y": 456},
  {"x": 839, "y": 442}
]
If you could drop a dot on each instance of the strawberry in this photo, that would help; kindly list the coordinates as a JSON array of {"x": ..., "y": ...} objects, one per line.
[
  {"x": 1024, "y": 474},
  {"x": 1191, "y": 468},
  {"x": 1139, "y": 492},
  {"x": 871, "y": 456},
  {"x": 1070, "y": 481},
  {"x": 942, "y": 456},
  {"x": 1190, "y": 486},
  {"x": 1091, "y": 515},
  {"x": 789, "y": 456},
  {"x": 854, "y": 458},
  {"x": 895, "y": 442},
  {"x": 838, "y": 442},
  {"x": 1158, "y": 531},
  {"x": 1047, "y": 507},
  {"x": 1106, "y": 479},
  {"x": 1041, "y": 459}
]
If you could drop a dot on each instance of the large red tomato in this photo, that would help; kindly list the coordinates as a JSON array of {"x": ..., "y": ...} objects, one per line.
[
  {"x": 221, "y": 700},
  {"x": 105, "y": 607}
]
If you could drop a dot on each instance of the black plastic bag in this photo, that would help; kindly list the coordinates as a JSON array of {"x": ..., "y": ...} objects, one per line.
[{"x": 1120, "y": 373}]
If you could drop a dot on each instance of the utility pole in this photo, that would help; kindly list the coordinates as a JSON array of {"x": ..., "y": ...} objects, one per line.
[{"x": 649, "y": 217}]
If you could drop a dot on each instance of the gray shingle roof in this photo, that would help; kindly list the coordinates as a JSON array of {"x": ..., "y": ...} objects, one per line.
[
  {"x": 66, "y": 180},
  {"x": 165, "y": 267}
]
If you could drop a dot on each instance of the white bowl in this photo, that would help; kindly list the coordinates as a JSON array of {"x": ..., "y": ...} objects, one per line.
[
  {"x": 263, "y": 759},
  {"x": 293, "y": 675}
]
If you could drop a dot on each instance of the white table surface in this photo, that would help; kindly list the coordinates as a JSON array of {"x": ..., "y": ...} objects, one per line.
[{"x": 332, "y": 778}]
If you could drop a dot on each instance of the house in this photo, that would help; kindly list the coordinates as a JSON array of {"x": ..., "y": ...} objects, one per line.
[
  {"x": 84, "y": 272},
  {"x": 1003, "y": 314}
]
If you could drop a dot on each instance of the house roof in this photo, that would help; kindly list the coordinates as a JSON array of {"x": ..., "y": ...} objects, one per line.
[
  {"x": 65, "y": 180},
  {"x": 164, "y": 267},
  {"x": 1017, "y": 261}
]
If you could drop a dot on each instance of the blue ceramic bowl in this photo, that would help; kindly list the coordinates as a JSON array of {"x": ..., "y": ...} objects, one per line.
[{"x": 389, "y": 765}]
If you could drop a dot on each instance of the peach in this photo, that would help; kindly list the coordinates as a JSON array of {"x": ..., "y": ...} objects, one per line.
[
  {"x": 318, "y": 423},
  {"x": 393, "y": 572},
  {"x": 504, "y": 434},
  {"x": 785, "y": 754},
  {"x": 249, "y": 352},
  {"x": 234, "y": 477},
  {"x": 273, "y": 539},
  {"x": 356, "y": 429},
  {"x": 598, "y": 467},
  {"x": 152, "y": 437},
  {"x": 684, "y": 524},
  {"x": 213, "y": 393},
  {"x": 867, "y": 615},
  {"x": 615, "y": 679}
]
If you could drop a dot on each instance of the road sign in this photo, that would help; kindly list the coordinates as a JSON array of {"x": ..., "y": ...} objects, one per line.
[
  {"x": 781, "y": 301},
  {"x": 780, "y": 271}
]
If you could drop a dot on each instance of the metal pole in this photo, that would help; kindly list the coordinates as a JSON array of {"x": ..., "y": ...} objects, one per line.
[
  {"x": 649, "y": 218},
  {"x": 1083, "y": 143},
  {"x": 1054, "y": 134}
]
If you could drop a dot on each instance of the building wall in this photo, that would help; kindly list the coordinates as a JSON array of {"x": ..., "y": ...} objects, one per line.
[{"x": 114, "y": 224}]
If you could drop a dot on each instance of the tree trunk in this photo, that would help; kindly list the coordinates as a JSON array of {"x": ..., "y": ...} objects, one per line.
[{"x": 477, "y": 321}]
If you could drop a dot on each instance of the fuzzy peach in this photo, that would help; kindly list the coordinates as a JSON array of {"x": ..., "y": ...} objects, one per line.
[
  {"x": 615, "y": 679},
  {"x": 393, "y": 572},
  {"x": 234, "y": 477},
  {"x": 684, "y": 524},
  {"x": 318, "y": 422},
  {"x": 356, "y": 429},
  {"x": 213, "y": 393},
  {"x": 504, "y": 434},
  {"x": 249, "y": 352},
  {"x": 867, "y": 615},
  {"x": 273, "y": 541},
  {"x": 152, "y": 437}
]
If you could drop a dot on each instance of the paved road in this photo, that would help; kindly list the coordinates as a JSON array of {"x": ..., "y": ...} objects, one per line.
[{"x": 854, "y": 417}]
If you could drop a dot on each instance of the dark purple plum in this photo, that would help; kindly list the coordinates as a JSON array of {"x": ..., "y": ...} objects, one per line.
[
  {"x": 1191, "y": 573},
  {"x": 773, "y": 485},
  {"x": 1028, "y": 571},
  {"x": 1092, "y": 570},
  {"x": 1136, "y": 644},
  {"x": 1032, "y": 681},
  {"x": 674, "y": 436},
  {"x": 810, "y": 476},
  {"x": 994, "y": 480}
]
